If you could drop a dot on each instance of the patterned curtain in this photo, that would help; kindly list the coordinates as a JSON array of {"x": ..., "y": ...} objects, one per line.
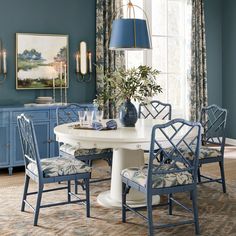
[
  {"x": 198, "y": 80},
  {"x": 106, "y": 60}
]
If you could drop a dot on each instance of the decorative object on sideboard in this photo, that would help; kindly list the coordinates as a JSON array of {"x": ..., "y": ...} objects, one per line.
[
  {"x": 3, "y": 63},
  {"x": 41, "y": 61},
  {"x": 130, "y": 33},
  {"x": 83, "y": 63},
  {"x": 44, "y": 100}
]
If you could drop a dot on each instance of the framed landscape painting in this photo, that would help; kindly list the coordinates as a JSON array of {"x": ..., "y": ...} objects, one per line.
[{"x": 41, "y": 61}]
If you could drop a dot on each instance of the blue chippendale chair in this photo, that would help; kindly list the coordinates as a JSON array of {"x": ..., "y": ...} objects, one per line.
[
  {"x": 68, "y": 114},
  {"x": 175, "y": 173},
  {"x": 155, "y": 110},
  {"x": 49, "y": 170},
  {"x": 213, "y": 120}
]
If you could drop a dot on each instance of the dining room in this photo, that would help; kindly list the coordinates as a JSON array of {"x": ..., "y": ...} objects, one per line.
[{"x": 117, "y": 117}]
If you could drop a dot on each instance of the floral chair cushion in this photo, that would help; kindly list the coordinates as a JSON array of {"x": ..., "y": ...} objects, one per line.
[
  {"x": 59, "y": 166},
  {"x": 139, "y": 176},
  {"x": 76, "y": 151},
  {"x": 205, "y": 152}
]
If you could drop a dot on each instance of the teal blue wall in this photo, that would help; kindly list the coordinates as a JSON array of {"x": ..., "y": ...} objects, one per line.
[
  {"x": 73, "y": 17},
  {"x": 221, "y": 57},
  {"x": 229, "y": 64},
  {"x": 213, "y": 18}
]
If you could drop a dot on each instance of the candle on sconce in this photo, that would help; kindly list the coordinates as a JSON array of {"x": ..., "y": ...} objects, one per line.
[
  {"x": 90, "y": 62},
  {"x": 4, "y": 62},
  {"x": 84, "y": 63},
  {"x": 77, "y": 62}
]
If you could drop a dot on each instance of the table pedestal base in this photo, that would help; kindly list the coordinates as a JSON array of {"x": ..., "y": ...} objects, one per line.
[
  {"x": 105, "y": 200},
  {"x": 124, "y": 158}
]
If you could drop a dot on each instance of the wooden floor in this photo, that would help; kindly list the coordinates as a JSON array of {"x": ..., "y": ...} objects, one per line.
[{"x": 213, "y": 169}]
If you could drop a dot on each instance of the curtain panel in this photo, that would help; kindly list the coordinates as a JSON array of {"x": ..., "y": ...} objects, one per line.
[
  {"x": 106, "y": 60},
  {"x": 198, "y": 78}
]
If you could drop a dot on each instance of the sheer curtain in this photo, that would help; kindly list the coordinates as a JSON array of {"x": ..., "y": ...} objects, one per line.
[{"x": 106, "y": 60}]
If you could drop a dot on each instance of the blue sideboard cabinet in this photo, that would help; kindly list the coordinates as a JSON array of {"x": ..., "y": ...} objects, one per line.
[{"x": 44, "y": 119}]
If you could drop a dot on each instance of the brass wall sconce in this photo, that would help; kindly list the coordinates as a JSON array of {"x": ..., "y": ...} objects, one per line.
[
  {"x": 3, "y": 63},
  {"x": 83, "y": 60}
]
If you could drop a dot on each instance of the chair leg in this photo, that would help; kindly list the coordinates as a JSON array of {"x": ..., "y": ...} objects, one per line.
[
  {"x": 27, "y": 178},
  {"x": 90, "y": 163},
  {"x": 199, "y": 175},
  {"x": 123, "y": 202},
  {"x": 109, "y": 161},
  {"x": 76, "y": 186},
  {"x": 195, "y": 211},
  {"x": 170, "y": 204},
  {"x": 87, "y": 197},
  {"x": 149, "y": 213},
  {"x": 38, "y": 203},
  {"x": 221, "y": 163},
  {"x": 69, "y": 190}
]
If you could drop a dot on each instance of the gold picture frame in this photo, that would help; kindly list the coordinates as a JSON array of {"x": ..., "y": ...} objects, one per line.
[{"x": 42, "y": 61}]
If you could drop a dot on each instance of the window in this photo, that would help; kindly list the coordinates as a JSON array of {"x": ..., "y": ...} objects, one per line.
[{"x": 170, "y": 27}]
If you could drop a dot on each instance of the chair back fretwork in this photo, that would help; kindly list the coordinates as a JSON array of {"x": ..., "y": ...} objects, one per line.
[
  {"x": 155, "y": 110},
  {"x": 178, "y": 135},
  {"x": 213, "y": 120},
  {"x": 69, "y": 113},
  {"x": 28, "y": 142}
]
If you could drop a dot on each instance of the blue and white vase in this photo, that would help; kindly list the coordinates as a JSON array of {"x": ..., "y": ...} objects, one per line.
[{"x": 128, "y": 114}]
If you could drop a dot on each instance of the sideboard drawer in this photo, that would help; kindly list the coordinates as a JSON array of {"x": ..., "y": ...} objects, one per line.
[{"x": 34, "y": 115}]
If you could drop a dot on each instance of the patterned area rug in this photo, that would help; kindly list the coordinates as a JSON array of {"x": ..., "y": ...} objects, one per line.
[{"x": 217, "y": 214}]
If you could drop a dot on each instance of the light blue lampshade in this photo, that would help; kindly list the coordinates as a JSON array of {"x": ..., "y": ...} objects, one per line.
[{"x": 129, "y": 34}]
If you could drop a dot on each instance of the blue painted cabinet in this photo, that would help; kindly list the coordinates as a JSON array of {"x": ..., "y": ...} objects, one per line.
[
  {"x": 4, "y": 146},
  {"x": 4, "y": 139},
  {"x": 44, "y": 119}
]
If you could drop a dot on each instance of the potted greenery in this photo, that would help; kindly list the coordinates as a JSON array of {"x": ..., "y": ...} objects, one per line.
[{"x": 120, "y": 86}]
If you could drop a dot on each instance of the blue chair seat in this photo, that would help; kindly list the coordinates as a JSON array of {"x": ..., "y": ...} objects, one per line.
[
  {"x": 59, "y": 166},
  {"x": 139, "y": 176},
  {"x": 76, "y": 151}
]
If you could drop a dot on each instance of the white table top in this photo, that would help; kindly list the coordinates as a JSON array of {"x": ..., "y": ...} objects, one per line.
[{"x": 137, "y": 137}]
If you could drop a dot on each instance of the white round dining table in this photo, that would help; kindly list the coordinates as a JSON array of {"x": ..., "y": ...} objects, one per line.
[{"x": 128, "y": 144}]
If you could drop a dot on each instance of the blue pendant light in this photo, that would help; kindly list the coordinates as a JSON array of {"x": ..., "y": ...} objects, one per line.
[{"x": 130, "y": 33}]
